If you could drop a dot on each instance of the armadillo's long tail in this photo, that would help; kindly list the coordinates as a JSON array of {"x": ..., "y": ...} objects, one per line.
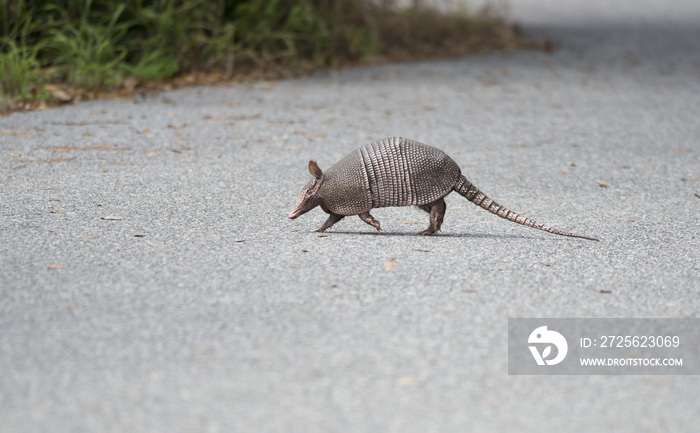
[{"x": 472, "y": 193}]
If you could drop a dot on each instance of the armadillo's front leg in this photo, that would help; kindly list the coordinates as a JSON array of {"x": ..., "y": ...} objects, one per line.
[
  {"x": 436, "y": 210},
  {"x": 332, "y": 219},
  {"x": 366, "y": 217}
]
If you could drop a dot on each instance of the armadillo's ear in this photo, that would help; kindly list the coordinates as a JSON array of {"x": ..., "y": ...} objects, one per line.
[{"x": 315, "y": 170}]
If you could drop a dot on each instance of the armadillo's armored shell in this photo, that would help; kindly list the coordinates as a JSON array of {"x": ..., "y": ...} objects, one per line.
[
  {"x": 346, "y": 190},
  {"x": 390, "y": 172}
]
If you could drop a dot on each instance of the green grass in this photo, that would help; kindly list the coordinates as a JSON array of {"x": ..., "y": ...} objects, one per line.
[
  {"x": 19, "y": 70},
  {"x": 96, "y": 45}
]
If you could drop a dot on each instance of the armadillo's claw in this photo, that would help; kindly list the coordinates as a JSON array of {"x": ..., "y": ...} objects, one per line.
[{"x": 366, "y": 217}]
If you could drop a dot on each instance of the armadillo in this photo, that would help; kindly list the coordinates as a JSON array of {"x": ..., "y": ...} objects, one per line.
[{"x": 396, "y": 171}]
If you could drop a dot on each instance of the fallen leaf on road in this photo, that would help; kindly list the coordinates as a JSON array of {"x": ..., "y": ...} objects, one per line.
[
  {"x": 311, "y": 135},
  {"x": 110, "y": 218},
  {"x": 227, "y": 118},
  {"x": 63, "y": 149},
  {"x": 55, "y": 267},
  {"x": 390, "y": 265},
  {"x": 61, "y": 159},
  {"x": 602, "y": 183},
  {"x": 17, "y": 134},
  {"x": 407, "y": 381}
]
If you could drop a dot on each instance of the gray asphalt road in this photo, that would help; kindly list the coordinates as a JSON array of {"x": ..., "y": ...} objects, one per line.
[{"x": 202, "y": 308}]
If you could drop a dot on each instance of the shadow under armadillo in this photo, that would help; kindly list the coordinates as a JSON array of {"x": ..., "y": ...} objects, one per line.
[{"x": 438, "y": 236}]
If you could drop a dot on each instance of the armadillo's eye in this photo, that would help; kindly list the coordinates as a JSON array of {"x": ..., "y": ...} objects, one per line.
[{"x": 309, "y": 191}]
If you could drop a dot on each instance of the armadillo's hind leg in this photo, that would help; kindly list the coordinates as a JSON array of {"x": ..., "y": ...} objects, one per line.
[
  {"x": 332, "y": 219},
  {"x": 366, "y": 217},
  {"x": 436, "y": 210}
]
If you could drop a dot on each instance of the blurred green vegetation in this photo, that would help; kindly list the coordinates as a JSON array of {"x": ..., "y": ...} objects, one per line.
[{"x": 98, "y": 44}]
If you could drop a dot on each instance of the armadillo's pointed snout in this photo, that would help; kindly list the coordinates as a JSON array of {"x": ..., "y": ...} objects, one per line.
[{"x": 299, "y": 210}]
